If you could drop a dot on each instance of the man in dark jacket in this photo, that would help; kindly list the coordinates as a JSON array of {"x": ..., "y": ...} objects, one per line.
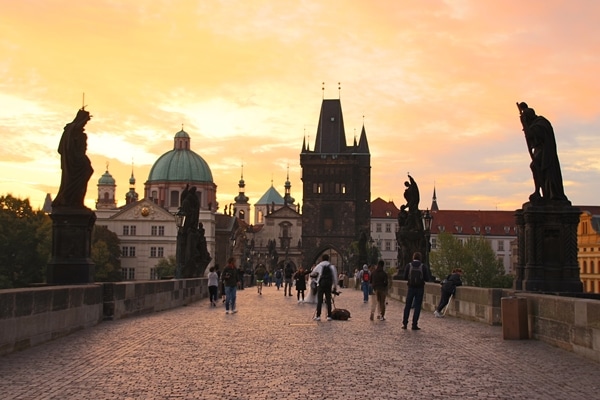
[
  {"x": 379, "y": 282},
  {"x": 448, "y": 289},
  {"x": 416, "y": 274},
  {"x": 230, "y": 279}
]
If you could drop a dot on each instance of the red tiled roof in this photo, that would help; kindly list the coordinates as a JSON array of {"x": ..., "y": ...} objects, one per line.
[
  {"x": 496, "y": 223},
  {"x": 383, "y": 209}
]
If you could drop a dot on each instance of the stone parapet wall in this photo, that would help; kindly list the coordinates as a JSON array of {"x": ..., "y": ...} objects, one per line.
[
  {"x": 571, "y": 323},
  {"x": 32, "y": 316}
]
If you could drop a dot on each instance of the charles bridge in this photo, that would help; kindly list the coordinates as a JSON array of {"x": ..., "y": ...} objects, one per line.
[{"x": 162, "y": 340}]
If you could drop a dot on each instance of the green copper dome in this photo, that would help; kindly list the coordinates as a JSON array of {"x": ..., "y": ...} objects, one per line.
[
  {"x": 106, "y": 179},
  {"x": 180, "y": 164}
]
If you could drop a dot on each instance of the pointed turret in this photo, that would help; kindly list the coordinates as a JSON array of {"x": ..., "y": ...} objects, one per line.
[
  {"x": 331, "y": 136},
  {"x": 363, "y": 145},
  {"x": 287, "y": 197},
  {"x": 434, "y": 205},
  {"x": 131, "y": 196},
  {"x": 241, "y": 200}
]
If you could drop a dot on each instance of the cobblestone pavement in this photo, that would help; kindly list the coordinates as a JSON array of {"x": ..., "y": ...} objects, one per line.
[{"x": 271, "y": 349}]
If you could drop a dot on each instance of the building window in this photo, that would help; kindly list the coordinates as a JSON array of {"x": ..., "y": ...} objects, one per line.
[
  {"x": 433, "y": 243},
  {"x": 128, "y": 274},
  {"x": 388, "y": 227},
  {"x": 153, "y": 252},
  {"x": 125, "y": 230},
  {"x": 500, "y": 245},
  {"x": 154, "y": 230},
  {"x": 174, "y": 198},
  {"x": 153, "y": 274},
  {"x": 388, "y": 245},
  {"x": 128, "y": 251},
  {"x": 132, "y": 230},
  {"x": 160, "y": 252},
  {"x": 343, "y": 188},
  {"x": 260, "y": 217},
  {"x": 378, "y": 227}
]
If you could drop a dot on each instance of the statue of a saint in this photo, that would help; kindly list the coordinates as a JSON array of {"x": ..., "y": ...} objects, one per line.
[
  {"x": 76, "y": 166},
  {"x": 541, "y": 145}
]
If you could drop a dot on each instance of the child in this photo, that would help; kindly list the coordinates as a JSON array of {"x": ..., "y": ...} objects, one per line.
[{"x": 448, "y": 289}]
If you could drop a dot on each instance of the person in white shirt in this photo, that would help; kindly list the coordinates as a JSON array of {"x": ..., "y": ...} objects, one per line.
[{"x": 325, "y": 273}]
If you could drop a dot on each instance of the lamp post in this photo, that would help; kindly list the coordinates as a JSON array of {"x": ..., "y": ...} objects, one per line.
[
  {"x": 427, "y": 218},
  {"x": 181, "y": 236}
]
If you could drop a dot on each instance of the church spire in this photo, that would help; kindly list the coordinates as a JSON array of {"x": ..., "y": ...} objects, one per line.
[{"x": 434, "y": 205}]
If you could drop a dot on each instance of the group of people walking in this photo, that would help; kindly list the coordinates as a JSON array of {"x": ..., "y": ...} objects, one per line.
[{"x": 320, "y": 283}]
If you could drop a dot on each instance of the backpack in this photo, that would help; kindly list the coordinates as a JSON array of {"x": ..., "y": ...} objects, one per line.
[
  {"x": 278, "y": 274},
  {"x": 340, "y": 314},
  {"x": 365, "y": 276},
  {"x": 326, "y": 276},
  {"x": 415, "y": 275}
]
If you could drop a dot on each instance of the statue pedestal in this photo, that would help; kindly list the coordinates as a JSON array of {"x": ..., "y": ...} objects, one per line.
[
  {"x": 547, "y": 248},
  {"x": 71, "y": 247}
]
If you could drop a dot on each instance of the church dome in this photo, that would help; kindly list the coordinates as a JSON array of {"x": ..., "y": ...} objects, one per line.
[
  {"x": 106, "y": 179},
  {"x": 180, "y": 164}
]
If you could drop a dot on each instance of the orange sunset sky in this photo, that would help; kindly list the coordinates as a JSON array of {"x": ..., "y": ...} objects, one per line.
[{"x": 435, "y": 83}]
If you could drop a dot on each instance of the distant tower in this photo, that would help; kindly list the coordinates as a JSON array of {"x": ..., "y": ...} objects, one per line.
[
  {"x": 287, "y": 197},
  {"x": 106, "y": 192},
  {"x": 336, "y": 188},
  {"x": 131, "y": 196},
  {"x": 434, "y": 205},
  {"x": 241, "y": 200}
]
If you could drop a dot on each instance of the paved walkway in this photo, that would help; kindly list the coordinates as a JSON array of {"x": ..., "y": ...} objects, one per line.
[{"x": 271, "y": 349}]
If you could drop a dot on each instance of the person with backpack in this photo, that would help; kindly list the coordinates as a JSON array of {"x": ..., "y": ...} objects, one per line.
[
  {"x": 365, "y": 278},
  {"x": 415, "y": 274},
  {"x": 278, "y": 278},
  {"x": 324, "y": 273},
  {"x": 288, "y": 274},
  {"x": 448, "y": 289},
  {"x": 259, "y": 272}
]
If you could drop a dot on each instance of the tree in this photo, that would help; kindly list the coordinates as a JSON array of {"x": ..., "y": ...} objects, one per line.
[
  {"x": 166, "y": 267},
  {"x": 475, "y": 257},
  {"x": 106, "y": 254},
  {"x": 25, "y": 243}
]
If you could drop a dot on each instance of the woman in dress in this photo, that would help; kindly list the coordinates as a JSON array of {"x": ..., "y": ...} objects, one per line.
[{"x": 312, "y": 290}]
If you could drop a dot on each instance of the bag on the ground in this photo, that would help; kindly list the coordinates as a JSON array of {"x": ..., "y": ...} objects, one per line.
[
  {"x": 326, "y": 278},
  {"x": 340, "y": 314},
  {"x": 415, "y": 275},
  {"x": 365, "y": 276}
]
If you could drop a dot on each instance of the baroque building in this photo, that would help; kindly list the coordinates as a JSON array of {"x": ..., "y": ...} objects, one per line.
[
  {"x": 336, "y": 190},
  {"x": 146, "y": 228}
]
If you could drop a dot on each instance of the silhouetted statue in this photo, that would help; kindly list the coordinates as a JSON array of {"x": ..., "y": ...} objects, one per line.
[
  {"x": 76, "y": 166},
  {"x": 412, "y": 196},
  {"x": 190, "y": 205},
  {"x": 541, "y": 145}
]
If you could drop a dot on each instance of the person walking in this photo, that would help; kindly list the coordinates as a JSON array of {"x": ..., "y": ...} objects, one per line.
[
  {"x": 448, "y": 289},
  {"x": 300, "y": 278},
  {"x": 365, "y": 278},
  {"x": 213, "y": 286},
  {"x": 259, "y": 272},
  {"x": 288, "y": 274},
  {"x": 379, "y": 282},
  {"x": 415, "y": 275},
  {"x": 230, "y": 280},
  {"x": 356, "y": 279},
  {"x": 325, "y": 273}
]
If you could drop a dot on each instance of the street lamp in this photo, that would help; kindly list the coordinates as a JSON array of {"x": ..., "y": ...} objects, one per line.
[
  {"x": 179, "y": 223},
  {"x": 427, "y": 218}
]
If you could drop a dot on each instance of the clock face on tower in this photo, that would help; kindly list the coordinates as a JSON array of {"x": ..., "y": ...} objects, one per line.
[{"x": 145, "y": 211}]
